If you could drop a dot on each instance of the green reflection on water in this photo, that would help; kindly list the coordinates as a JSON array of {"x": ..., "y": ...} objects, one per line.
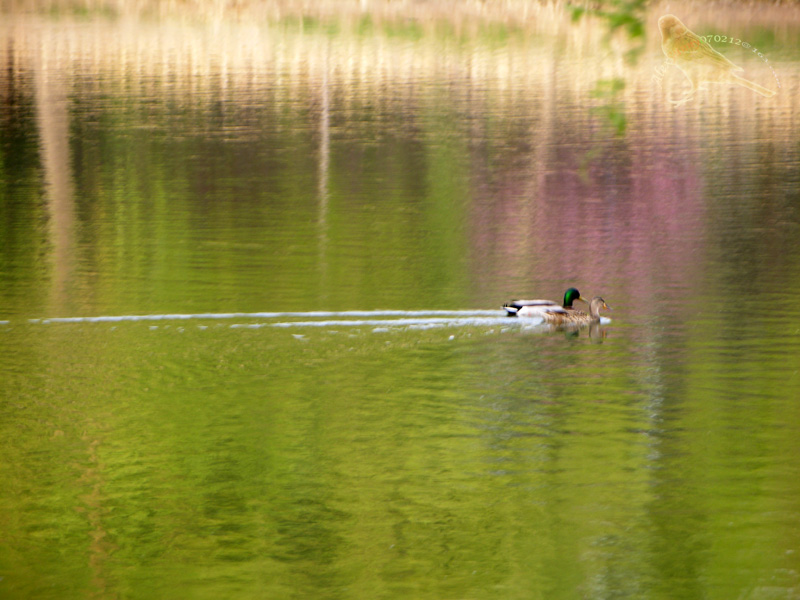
[
  {"x": 390, "y": 169},
  {"x": 349, "y": 462}
]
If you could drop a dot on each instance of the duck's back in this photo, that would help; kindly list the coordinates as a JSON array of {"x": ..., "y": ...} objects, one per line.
[{"x": 529, "y": 308}]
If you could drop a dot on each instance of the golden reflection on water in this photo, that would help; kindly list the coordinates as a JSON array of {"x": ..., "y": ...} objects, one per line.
[
  {"x": 53, "y": 120},
  {"x": 231, "y": 57}
]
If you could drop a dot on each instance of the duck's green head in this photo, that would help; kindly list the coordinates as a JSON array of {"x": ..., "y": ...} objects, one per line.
[{"x": 570, "y": 296}]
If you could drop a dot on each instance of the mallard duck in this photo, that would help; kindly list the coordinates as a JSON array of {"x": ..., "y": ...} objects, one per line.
[
  {"x": 537, "y": 308},
  {"x": 557, "y": 315}
]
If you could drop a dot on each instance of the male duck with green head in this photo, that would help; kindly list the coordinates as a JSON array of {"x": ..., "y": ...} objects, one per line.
[{"x": 538, "y": 308}]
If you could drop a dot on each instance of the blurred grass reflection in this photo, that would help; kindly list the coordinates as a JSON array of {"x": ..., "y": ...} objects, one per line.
[{"x": 190, "y": 144}]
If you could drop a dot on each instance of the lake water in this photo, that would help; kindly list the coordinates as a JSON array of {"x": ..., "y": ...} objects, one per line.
[{"x": 251, "y": 278}]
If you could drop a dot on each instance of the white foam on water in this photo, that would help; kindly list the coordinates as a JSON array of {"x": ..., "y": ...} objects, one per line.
[
  {"x": 267, "y": 315},
  {"x": 379, "y": 320},
  {"x": 412, "y": 322}
]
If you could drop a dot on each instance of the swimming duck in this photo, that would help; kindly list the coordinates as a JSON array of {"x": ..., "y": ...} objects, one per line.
[
  {"x": 537, "y": 308},
  {"x": 557, "y": 315}
]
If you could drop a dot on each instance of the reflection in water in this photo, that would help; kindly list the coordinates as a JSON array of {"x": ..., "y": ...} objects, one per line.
[
  {"x": 529, "y": 132},
  {"x": 324, "y": 160},
  {"x": 242, "y": 376},
  {"x": 53, "y": 120}
]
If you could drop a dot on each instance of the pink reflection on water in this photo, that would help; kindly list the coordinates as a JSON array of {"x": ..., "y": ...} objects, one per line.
[{"x": 628, "y": 226}]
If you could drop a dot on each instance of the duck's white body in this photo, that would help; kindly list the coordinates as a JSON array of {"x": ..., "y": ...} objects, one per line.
[
  {"x": 532, "y": 308},
  {"x": 538, "y": 308}
]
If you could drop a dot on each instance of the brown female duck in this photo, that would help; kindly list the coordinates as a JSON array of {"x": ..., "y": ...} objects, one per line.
[{"x": 556, "y": 315}]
